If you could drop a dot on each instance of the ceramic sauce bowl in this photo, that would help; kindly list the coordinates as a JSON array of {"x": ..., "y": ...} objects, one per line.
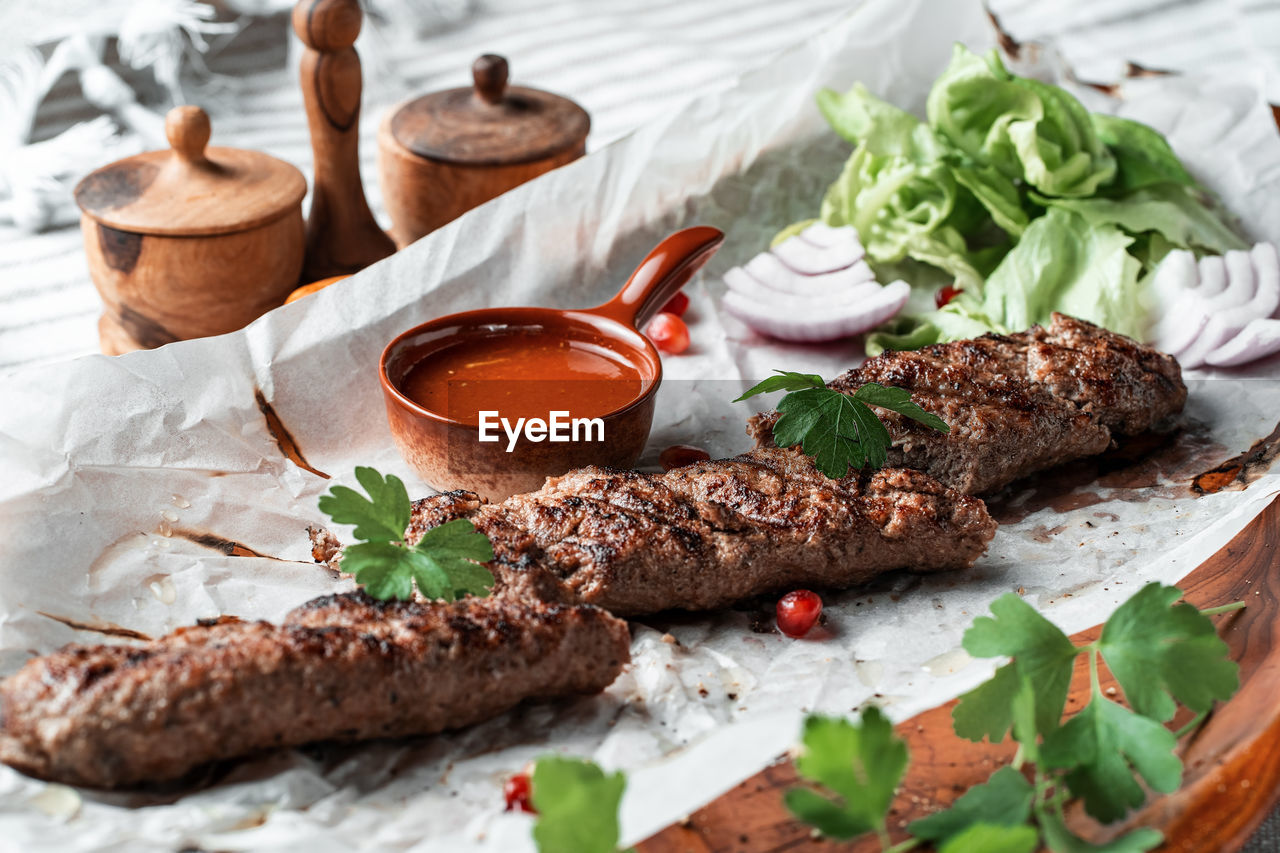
[{"x": 498, "y": 399}]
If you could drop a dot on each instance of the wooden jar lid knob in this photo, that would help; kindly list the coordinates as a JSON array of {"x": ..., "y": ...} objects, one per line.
[
  {"x": 327, "y": 26},
  {"x": 188, "y": 131},
  {"x": 490, "y": 75}
]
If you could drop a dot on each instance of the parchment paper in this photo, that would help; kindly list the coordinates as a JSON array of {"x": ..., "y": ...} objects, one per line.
[{"x": 128, "y": 480}]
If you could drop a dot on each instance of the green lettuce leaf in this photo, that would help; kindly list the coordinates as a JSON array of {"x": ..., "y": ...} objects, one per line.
[
  {"x": 860, "y": 117},
  {"x": 997, "y": 193},
  {"x": 1182, "y": 215},
  {"x": 1061, "y": 153},
  {"x": 1143, "y": 155},
  {"x": 899, "y": 206},
  {"x": 952, "y": 323},
  {"x": 1063, "y": 263},
  {"x": 1026, "y": 130},
  {"x": 971, "y": 106}
]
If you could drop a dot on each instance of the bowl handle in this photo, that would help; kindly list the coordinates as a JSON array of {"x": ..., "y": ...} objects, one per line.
[{"x": 661, "y": 275}]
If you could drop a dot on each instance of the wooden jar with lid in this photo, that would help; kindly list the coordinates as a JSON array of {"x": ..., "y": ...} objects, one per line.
[
  {"x": 191, "y": 241},
  {"x": 442, "y": 154}
]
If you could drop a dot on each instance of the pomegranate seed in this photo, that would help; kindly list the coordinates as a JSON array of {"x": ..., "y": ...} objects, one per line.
[
  {"x": 668, "y": 333},
  {"x": 677, "y": 304},
  {"x": 680, "y": 455},
  {"x": 798, "y": 612},
  {"x": 517, "y": 792},
  {"x": 945, "y": 295}
]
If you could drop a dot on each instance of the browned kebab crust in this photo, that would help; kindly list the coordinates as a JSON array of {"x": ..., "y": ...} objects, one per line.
[
  {"x": 339, "y": 668},
  {"x": 710, "y": 534},
  {"x": 1017, "y": 403}
]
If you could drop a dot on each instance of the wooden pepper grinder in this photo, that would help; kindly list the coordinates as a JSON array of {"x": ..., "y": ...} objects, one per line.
[{"x": 342, "y": 235}]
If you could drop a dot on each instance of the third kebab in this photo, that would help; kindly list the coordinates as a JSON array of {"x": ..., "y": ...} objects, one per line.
[{"x": 1019, "y": 403}]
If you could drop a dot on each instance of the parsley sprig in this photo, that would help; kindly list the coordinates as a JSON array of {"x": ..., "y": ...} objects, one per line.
[
  {"x": 577, "y": 806},
  {"x": 840, "y": 431},
  {"x": 1161, "y": 653},
  {"x": 445, "y": 563},
  {"x": 851, "y": 761}
]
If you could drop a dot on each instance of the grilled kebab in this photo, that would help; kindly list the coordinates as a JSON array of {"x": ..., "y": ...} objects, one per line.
[
  {"x": 1017, "y": 403},
  {"x": 709, "y": 534},
  {"x": 341, "y": 667}
]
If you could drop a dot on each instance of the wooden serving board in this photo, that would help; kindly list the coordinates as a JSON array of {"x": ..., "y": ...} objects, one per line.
[{"x": 1232, "y": 777}]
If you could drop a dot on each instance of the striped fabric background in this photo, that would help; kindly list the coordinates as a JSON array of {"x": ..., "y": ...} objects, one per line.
[{"x": 624, "y": 60}]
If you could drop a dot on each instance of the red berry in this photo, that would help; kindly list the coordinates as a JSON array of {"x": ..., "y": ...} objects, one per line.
[
  {"x": 517, "y": 792},
  {"x": 680, "y": 455},
  {"x": 945, "y": 295},
  {"x": 677, "y": 304},
  {"x": 668, "y": 333},
  {"x": 798, "y": 612}
]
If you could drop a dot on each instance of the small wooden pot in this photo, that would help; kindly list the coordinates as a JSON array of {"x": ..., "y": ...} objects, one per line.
[
  {"x": 192, "y": 241},
  {"x": 442, "y": 154}
]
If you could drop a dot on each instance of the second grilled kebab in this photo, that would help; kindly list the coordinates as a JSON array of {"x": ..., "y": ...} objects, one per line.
[
  {"x": 1016, "y": 404},
  {"x": 710, "y": 534}
]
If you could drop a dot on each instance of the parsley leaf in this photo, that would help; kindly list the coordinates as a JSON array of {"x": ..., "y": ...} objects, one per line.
[
  {"x": 785, "y": 381},
  {"x": 993, "y": 838},
  {"x": 987, "y": 710},
  {"x": 1004, "y": 800},
  {"x": 840, "y": 431},
  {"x": 837, "y": 431},
  {"x": 382, "y": 517},
  {"x": 1101, "y": 755},
  {"x": 860, "y": 764},
  {"x": 1160, "y": 653},
  {"x": 1042, "y": 655},
  {"x": 577, "y": 806},
  {"x": 898, "y": 400},
  {"x": 1059, "y": 839},
  {"x": 1097, "y": 747},
  {"x": 378, "y": 567},
  {"x": 446, "y": 562}
]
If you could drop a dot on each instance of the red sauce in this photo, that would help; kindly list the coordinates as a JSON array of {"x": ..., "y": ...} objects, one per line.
[{"x": 522, "y": 375}]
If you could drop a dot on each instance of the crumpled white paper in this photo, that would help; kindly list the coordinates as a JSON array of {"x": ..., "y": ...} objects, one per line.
[{"x": 116, "y": 467}]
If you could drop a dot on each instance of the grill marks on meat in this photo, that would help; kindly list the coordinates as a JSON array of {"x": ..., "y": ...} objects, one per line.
[
  {"x": 342, "y": 667},
  {"x": 710, "y": 534},
  {"x": 1016, "y": 404}
]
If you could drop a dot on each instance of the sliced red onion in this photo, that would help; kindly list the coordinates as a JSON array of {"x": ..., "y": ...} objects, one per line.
[
  {"x": 1239, "y": 302},
  {"x": 809, "y": 258},
  {"x": 753, "y": 288},
  {"x": 1260, "y": 336},
  {"x": 771, "y": 272},
  {"x": 795, "y": 324},
  {"x": 814, "y": 286},
  {"x": 825, "y": 236},
  {"x": 1259, "y": 339},
  {"x": 1213, "y": 276},
  {"x": 1176, "y": 273},
  {"x": 1181, "y": 324},
  {"x": 1188, "y": 314},
  {"x": 1227, "y": 313}
]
